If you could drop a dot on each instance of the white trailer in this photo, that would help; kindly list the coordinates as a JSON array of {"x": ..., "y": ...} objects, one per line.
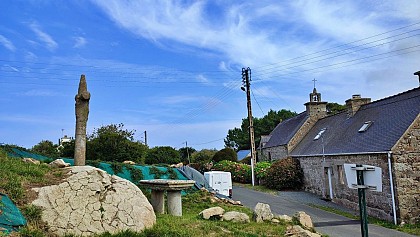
[{"x": 220, "y": 181}]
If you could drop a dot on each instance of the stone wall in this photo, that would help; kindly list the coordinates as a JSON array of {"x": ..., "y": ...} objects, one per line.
[
  {"x": 379, "y": 204},
  {"x": 274, "y": 153},
  {"x": 406, "y": 156}
]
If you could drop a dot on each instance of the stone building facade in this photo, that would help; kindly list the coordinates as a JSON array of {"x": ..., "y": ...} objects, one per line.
[{"x": 383, "y": 133}]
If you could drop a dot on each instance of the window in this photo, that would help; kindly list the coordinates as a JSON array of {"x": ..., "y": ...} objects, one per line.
[
  {"x": 365, "y": 126},
  {"x": 319, "y": 134}
]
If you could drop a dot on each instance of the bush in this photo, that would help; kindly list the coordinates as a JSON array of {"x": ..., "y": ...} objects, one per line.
[
  {"x": 284, "y": 174},
  {"x": 240, "y": 172},
  {"x": 225, "y": 154},
  {"x": 261, "y": 169}
]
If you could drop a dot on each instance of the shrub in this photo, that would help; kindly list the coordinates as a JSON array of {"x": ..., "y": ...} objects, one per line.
[
  {"x": 284, "y": 174},
  {"x": 225, "y": 154},
  {"x": 261, "y": 169},
  {"x": 240, "y": 172}
]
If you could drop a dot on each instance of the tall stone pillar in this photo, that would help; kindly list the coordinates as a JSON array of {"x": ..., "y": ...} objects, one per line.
[{"x": 82, "y": 113}]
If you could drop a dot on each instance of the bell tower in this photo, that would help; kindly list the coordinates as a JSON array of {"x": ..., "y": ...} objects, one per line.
[{"x": 316, "y": 108}]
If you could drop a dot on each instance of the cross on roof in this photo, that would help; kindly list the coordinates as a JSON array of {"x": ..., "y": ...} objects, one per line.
[{"x": 314, "y": 80}]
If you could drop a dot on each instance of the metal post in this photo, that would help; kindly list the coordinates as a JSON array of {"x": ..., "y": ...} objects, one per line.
[{"x": 362, "y": 201}]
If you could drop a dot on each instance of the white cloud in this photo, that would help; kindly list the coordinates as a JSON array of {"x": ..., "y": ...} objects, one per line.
[
  {"x": 79, "y": 42},
  {"x": 7, "y": 43},
  {"x": 39, "y": 93},
  {"x": 43, "y": 37}
]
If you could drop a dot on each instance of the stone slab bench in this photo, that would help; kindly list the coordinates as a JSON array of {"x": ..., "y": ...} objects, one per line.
[{"x": 173, "y": 189}]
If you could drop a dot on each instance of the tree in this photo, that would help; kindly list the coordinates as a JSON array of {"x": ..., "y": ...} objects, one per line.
[
  {"x": 114, "y": 143},
  {"x": 46, "y": 148},
  {"x": 238, "y": 138},
  {"x": 203, "y": 156},
  {"x": 67, "y": 149},
  {"x": 185, "y": 153},
  {"x": 334, "y": 108},
  {"x": 163, "y": 155},
  {"x": 225, "y": 154}
]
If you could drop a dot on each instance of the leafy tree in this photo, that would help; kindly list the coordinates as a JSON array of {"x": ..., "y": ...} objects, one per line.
[
  {"x": 238, "y": 138},
  {"x": 334, "y": 108},
  {"x": 225, "y": 154},
  {"x": 46, "y": 148},
  {"x": 163, "y": 155},
  {"x": 114, "y": 143},
  {"x": 186, "y": 153},
  {"x": 67, "y": 149},
  {"x": 203, "y": 156}
]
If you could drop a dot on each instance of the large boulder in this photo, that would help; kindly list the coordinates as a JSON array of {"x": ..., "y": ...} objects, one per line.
[
  {"x": 304, "y": 219},
  {"x": 90, "y": 201}
]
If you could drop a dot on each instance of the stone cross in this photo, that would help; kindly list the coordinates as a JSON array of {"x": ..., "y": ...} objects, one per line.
[{"x": 82, "y": 112}]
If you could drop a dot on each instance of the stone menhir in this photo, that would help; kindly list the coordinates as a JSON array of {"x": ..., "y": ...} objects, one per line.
[{"x": 82, "y": 112}]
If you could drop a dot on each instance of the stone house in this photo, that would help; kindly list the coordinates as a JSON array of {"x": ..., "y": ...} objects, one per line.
[{"x": 383, "y": 133}]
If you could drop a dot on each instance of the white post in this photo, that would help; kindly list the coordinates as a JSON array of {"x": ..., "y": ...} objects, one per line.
[
  {"x": 330, "y": 183},
  {"x": 391, "y": 183}
]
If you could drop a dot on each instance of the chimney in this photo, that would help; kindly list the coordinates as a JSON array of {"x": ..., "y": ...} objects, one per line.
[
  {"x": 418, "y": 74},
  {"x": 354, "y": 104}
]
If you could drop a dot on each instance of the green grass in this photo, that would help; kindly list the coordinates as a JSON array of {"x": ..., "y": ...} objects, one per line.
[
  {"x": 259, "y": 188},
  {"x": 413, "y": 229}
]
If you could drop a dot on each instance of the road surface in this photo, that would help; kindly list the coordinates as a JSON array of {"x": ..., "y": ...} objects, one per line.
[{"x": 325, "y": 222}]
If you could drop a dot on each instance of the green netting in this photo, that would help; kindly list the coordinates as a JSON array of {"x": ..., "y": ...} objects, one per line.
[
  {"x": 10, "y": 217},
  {"x": 24, "y": 154}
]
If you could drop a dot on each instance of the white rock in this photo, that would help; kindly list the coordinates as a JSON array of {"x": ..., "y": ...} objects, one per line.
[
  {"x": 298, "y": 231},
  {"x": 304, "y": 219},
  {"x": 90, "y": 202},
  {"x": 235, "y": 216},
  {"x": 31, "y": 160},
  {"x": 212, "y": 212},
  {"x": 262, "y": 212},
  {"x": 59, "y": 163}
]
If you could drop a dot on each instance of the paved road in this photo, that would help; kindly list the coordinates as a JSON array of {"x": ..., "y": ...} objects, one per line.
[{"x": 325, "y": 222}]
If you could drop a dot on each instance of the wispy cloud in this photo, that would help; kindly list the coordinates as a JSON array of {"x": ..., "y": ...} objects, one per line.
[
  {"x": 79, "y": 42},
  {"x": 43, "y": 36},
  {"x": 7, "y": 43},
  {"x": 39, "y": 93}
]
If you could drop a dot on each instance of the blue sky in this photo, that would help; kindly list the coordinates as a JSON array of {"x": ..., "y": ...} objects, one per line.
[{"x": 173, "y": 68}]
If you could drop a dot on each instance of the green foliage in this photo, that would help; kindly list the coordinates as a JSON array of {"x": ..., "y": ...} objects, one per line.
[
  {"x": 46, "y": 148},
  {"x": 117, "y": 167},
  {"x": 240, "y": 172},
  {"x": 136, "y": 174},
  {"x": 67, "y": 149},
  {"x": 186, "y": 153},
  {"x": 114, "y": 143},
  {"x": 156, "y": 172},
  {"x": 261, "y": 169},
  {"x": 204, "y": 156},
  {"x": 171, "y": 173},
  {"x": 225, "y": 154},
  {"x": 162, "y": 155},
  {"x": 32, "y": 213},
  {"x": 334, "y": 108},
  {"x": 284, "y": 174},
  {"x": 238, "y": 138}
]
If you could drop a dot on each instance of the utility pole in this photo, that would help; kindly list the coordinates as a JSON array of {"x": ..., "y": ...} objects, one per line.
[
  {"x": 145, "y": 138},
  {"x": 188, "y": 153},
  {"x": 246, "y": 78}
]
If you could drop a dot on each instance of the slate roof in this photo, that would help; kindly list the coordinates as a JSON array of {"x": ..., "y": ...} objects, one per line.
[
  {"x": 285, "y": 130},
  {"x": 242, "y": 154},
  {"x": 390, "y": 118}
]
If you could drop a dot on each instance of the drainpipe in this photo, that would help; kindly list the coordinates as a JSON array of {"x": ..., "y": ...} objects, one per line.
[
  {"x": 391, "y": 183},
  {"x": 329, "y": 182}
]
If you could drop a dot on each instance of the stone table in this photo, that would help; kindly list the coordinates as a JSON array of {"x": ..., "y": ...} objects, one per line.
[{"x": 173, "y": 189}]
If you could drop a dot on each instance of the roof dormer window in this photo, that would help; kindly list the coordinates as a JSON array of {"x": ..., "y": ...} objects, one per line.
[{"x": 365, "y": 126}]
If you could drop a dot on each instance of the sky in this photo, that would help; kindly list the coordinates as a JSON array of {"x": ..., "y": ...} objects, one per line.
[{"x": 173, "y": 68}]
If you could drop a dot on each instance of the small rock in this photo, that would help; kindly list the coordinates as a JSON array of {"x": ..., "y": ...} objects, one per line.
[
  {"x": 304, "y": 219},
  {"x": 298, "y": 231},
  {"x": 129, "y": 162},
  {"x": 59, "y": 163},
  {"x": 235, "y": 216},
  {"x": 275, "y": 221},
  {"x": 31, "y": 160},
  {"x": 212, "y": 212},
  {"x": 177, "y": 165},
  {"x": 262, "y": 212},
  {"x": 233, "y": 202},
  {"x": 285, "y": 218}
]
